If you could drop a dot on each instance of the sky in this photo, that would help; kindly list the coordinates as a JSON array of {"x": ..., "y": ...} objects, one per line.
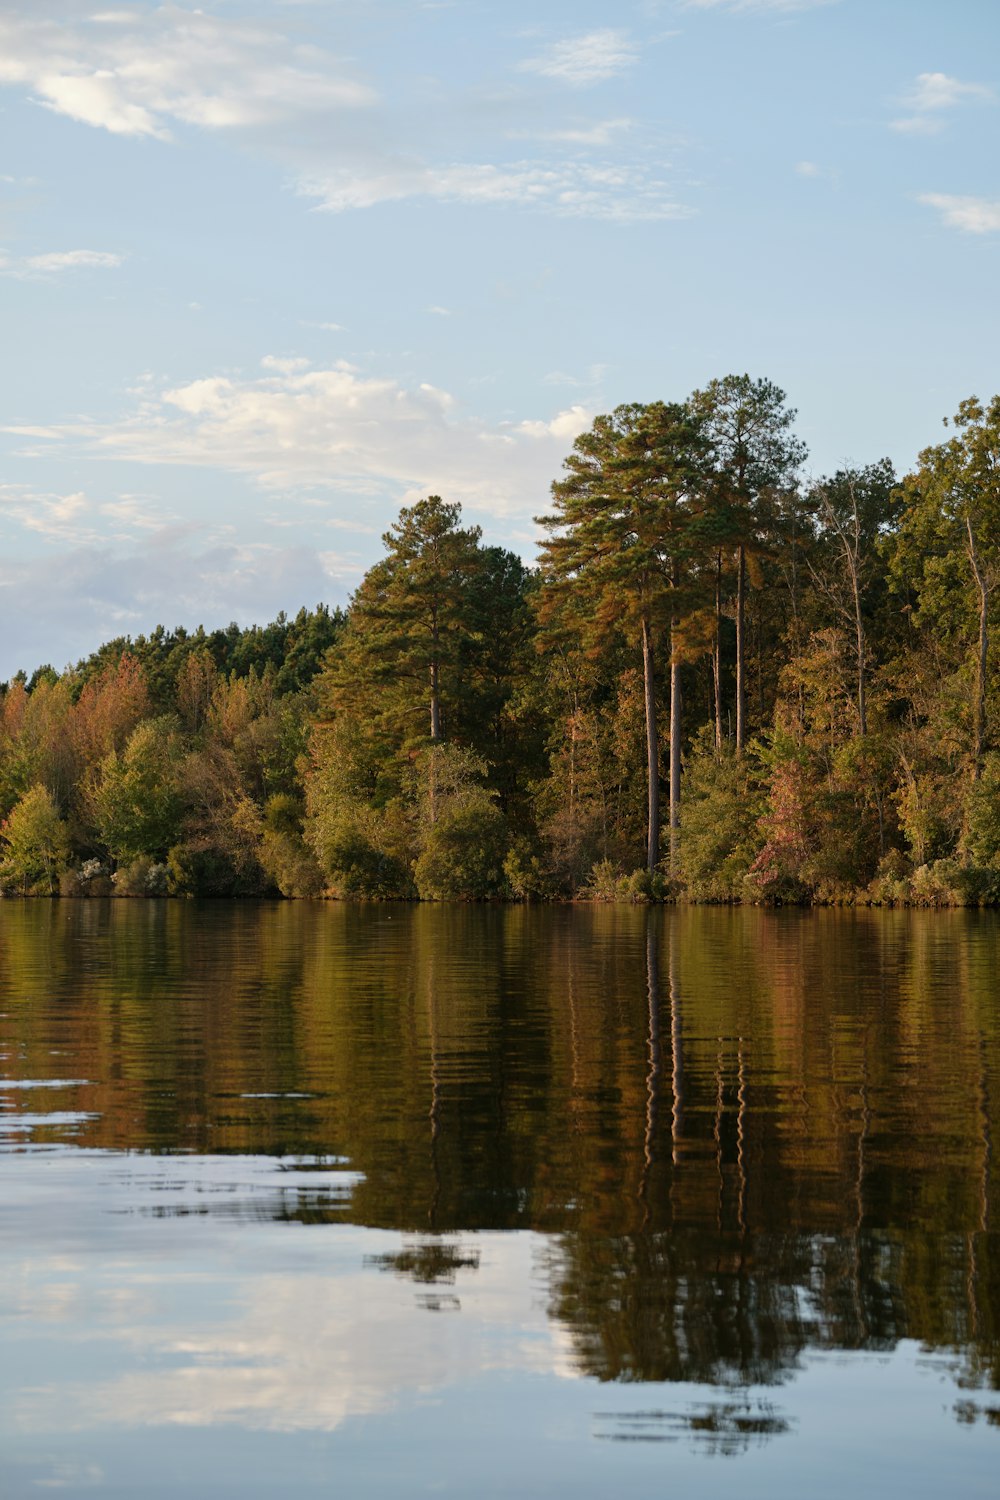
[{"x": 271, "y": 269}]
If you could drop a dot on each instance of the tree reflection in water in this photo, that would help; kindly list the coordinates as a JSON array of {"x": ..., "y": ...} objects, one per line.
[{"x": 745, "y": 1135}]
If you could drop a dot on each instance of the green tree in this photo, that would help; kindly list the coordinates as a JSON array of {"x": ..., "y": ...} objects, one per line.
[
  {"x": 755, "y": 459},
  {"x": 357, "y": 823},
  {"x": 950, "y": 524},
  {"x": 853, "y": 510},
  {"x": 408, "y": 619},
  {"x": 619, "y": 550},
  {"x": 36, "y": 844},
  {"x": 134, "y": 796},
  {"x": 464, "y": 839}
]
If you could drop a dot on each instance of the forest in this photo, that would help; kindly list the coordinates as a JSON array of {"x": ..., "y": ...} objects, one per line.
[{"x": 724, "y": 681}]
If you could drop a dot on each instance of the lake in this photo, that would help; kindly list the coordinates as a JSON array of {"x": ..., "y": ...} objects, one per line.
[{"x": 399, "y": 1200}]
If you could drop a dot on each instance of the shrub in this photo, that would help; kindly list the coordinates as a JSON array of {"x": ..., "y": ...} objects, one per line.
[
  {"x": 719, "y": 838},
  {"x": 143, "y": 876},
  {"x": 464, "y": 851}
]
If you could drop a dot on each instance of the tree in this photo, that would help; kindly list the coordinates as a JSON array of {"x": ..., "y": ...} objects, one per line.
[
  {"x": 852, "y": 511},
  {"x": 134, "y": 796},
  {"x": 621, "y": 541},
  {"x": 755, "y": 458},
  {"x": 37, "y": 844},
  {"x": 464, "y": 838},
  {"x": 408, "y": 617},
  {"x": 951, "y": 511}
]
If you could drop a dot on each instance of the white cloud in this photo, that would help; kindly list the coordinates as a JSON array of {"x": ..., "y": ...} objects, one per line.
[
  {"x": 145, "y": 73},
  {"x": 973, "y": 215},
  {"x": 939, "y": 91},
  {"x": 336, "y": 431},
  {"x": 142, "y": 72},
  {"x": 582, "y": 60},
  {"x": 279, "y": 1340},
  {"x": 284, "y": 366},
  {"x": 48, "y": 515},
  {"x": 600, "y": 133},
  {"x": 69, "y": 260},
  {"x": 572, "y": 189},
  {"x": 75, "y": 519},
  {"x": 932, "y": 96}
]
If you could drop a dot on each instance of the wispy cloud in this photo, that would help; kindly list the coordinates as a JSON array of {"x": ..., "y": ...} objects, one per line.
[
  {"x": 76, "y": 518},
  {"x": 144, "y": 72},
  {"x": 57, "y": 262},
  {"x": 593, "y": 133},
  {"x": 572, "y": 189},
  {"x": 930, "y": 100},
  {"x": 582, "y": 60},
  {"x": 54, "y": 261},
  {"x": 152, "y": 73},
  {"x": 973, "y": 215}
]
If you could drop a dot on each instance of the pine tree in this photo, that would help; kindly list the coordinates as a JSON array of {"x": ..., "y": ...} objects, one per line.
[{"x": 621, "y": 541}]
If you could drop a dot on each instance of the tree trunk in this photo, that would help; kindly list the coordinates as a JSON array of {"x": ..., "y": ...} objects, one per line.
[
  {"x": 860, "y": 633},
  {"x": 717, "y": 653},
  {"x": 435, "y": 703},
  {"x": 435, "y": 738},
  {"x": 652, "y": 751},
  {"x": 741, "y": 686},
  {"x": 675, "y": 748},
  {"x": 979, "y": 704}
]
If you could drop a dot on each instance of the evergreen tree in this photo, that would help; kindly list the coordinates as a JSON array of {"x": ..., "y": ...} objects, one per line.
[
  {"x": 621, "y": 542},
  {"x": 755, "y": 458},
  {"x": 408, "y": 620}
]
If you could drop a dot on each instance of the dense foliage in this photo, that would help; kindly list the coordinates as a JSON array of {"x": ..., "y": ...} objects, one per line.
[{"x": 806, "y": 668}]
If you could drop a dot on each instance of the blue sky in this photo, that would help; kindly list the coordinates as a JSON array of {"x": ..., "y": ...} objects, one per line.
[{"x": 270, "y": 269}]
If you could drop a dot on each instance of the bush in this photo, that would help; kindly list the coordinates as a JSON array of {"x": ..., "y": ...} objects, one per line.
[
  {"x": 142, "y": 877},
  {"x": 463, "y": 852},
  {"x": 528, "y": 875},
  {"x": 608, "y": 884},
  {"x": 290, "y": 864},
  {"x": 92, "y": 878},
  {"x": 201, "y": 868},
  {"x": 719, "y": 838}
]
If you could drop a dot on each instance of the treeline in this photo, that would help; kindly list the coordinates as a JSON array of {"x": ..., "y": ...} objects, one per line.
[{"x": 724, "y": 682}]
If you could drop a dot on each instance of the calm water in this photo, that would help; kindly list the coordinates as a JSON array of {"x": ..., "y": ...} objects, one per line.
[{"x": 390, "y": 1201}]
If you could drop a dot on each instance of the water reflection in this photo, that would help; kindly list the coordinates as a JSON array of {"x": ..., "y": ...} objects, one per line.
[{"x": 735, "y": 1141}]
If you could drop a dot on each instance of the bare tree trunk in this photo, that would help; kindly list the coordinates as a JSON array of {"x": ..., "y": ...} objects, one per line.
[
  {"x": 979, "y": 704},
  {"x": 717, "y": 652},
  {"x": 435, "y": 734},
  {"x": 435, "y": 703},
  {"x": 675, "y": 748},
  {"x": 853, "y": 556},
  {"x": 741, "y": 687},
  {"x": 859, "y": 636},
  {"x": 652, "y": 751}
]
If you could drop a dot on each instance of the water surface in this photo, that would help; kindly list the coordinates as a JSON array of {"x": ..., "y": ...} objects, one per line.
[{"x": 394, "y": 1200}]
